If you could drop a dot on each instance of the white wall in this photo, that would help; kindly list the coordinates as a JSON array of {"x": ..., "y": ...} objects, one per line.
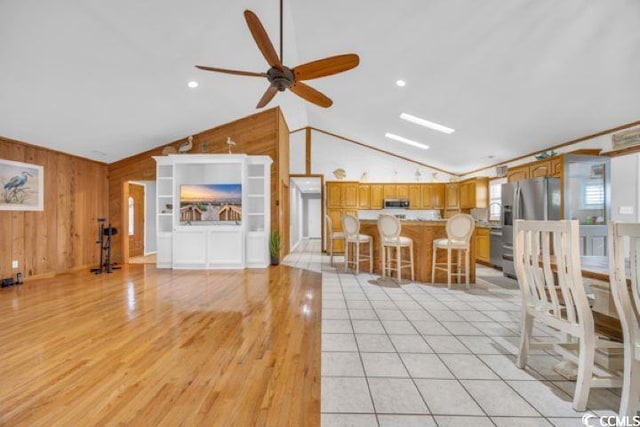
[
  {"x": 296, "y": 214},
  {"x": 625, "y": 188},
  {"x": 313, "y": 211},
  {"x": 329, "y": 153}
]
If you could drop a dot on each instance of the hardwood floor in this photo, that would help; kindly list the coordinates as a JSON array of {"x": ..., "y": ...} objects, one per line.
[{"x": 143, "y": 346}]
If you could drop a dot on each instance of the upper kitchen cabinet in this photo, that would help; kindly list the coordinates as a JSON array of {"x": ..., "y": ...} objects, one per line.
[
  {"x": 334, "y": 195},
  {"x": 518, "y": 173},
  {"x": 364, "y": 196},
  {"x": 415, "y": 196},
  {"x": 376, "y": 196},
  {"x": 350, "y": 195},
  {"x": 432, "y": 196},
  {"x": 474, "y": 193},
  {"x": 342, "y": 195},
  {"x": 540, "y": 169},
  {"x": 402, "y": 191},
  {"x": 389, "y": 191},
  {"x": 452, "y": 198}
]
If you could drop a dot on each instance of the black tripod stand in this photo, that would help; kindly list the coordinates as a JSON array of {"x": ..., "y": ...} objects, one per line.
[{"x": 104, "y": 240}]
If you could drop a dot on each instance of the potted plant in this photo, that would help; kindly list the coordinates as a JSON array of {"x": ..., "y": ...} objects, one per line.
[{"x": 274, "y": 247}]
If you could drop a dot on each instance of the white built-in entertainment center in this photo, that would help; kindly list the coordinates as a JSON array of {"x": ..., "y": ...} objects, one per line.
[{"x": 213, "y": 210}]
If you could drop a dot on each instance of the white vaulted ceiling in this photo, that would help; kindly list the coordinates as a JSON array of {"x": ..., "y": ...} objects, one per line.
[{"x": 107, "y": 79}]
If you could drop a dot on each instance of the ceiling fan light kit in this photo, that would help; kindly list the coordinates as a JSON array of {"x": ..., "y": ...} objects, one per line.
[{"x": 281, "y": 77}]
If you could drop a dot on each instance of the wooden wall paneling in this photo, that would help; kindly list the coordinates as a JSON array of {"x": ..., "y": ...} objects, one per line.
[
  {"x": 258, "y": 134},
  {"x": 283, "y": 171},
  {"x": 59, "y": 238}
]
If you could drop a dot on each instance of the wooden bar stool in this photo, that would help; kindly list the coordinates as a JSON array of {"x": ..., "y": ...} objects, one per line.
[
  {"x": 389, "y": 228},
  {"x": 332, "y": 236},
  {"x": 459, "y": 230},
  {"x": 351, "y": 227}
]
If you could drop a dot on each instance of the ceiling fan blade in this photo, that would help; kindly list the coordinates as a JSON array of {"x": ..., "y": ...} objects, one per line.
[
  {"x": 310, "y": 94},
  {"x": 262, "y": 40},
  {"x": 326, "y": 67},
  {"x": 267, "y": 97},
  {"x": 236, "y": 72}
]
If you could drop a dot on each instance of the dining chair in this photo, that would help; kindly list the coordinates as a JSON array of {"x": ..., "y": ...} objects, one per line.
[
  {"x": 624, "y": 244},
  {"x": 547, "y": 262},
  {"x": 352, "y": 236},
  {"x": 332, "y": 236},
  {"x": 459, "y": 231},
  {"x": 389, "y": 228}
]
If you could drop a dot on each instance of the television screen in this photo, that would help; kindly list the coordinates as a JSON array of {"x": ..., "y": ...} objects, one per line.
[{"x": 210, "y": 204}]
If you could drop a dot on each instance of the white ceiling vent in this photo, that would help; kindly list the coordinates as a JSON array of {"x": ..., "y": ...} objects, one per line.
[{"x": 501, "y": 171}]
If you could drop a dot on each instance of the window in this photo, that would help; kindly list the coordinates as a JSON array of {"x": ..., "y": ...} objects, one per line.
[
  {"x": 131, "y": 221},
  {"x": 495, "y": 198},
  {"x": 593, "y": 195}
]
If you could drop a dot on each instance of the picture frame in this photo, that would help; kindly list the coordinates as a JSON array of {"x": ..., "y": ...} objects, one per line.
[{"x": 21, "y": 186}]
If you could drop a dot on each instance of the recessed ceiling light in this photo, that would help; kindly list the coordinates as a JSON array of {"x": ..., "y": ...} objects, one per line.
[
  {"x": 406, "y": 141},
  {"x": 192, "y": 84},
  {"x": 491, "y": 156},
  {"x": 401, "y": 83},
  {"x": 426, "y": 123}
]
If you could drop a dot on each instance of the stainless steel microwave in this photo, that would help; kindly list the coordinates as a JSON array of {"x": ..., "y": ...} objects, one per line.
[{"x": 396, "y": 203}]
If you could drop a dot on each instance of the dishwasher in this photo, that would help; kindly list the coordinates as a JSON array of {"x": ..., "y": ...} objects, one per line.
[{"x": 495, "y": 246}]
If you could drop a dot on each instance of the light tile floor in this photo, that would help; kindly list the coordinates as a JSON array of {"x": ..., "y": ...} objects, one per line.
[{"x": 423, "y": 355}]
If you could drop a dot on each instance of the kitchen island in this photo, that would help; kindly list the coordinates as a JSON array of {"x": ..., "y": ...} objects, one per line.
[{"x": 423, "y": 234}]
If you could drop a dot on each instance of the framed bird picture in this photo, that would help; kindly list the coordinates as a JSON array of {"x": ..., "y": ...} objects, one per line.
[{"x": 21, "y": 186}]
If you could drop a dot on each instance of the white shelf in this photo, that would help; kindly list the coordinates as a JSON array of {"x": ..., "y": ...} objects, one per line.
[
  {"x": 165, "y": 195},
  {"x": 256, "y": 195},
  {"x": 255, "y": 177},
  {"x": 165, "y": 214},
  {"x": 255, "y": 214},
  {"x": 164, "y": 177}
]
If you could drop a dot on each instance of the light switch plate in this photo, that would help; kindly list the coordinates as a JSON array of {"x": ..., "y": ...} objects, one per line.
[
  {"x": 626, "y": 210},
  {"x": 14, "y": 263}
]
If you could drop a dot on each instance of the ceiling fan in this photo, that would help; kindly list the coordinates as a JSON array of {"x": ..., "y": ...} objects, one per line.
[{"x": 281, "y": 77}]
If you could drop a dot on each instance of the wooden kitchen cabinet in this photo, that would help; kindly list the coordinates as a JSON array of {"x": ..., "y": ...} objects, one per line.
[
  {"x": 364, "y": 196},
  {"x": 415, "y": 196},
  {"x": 483, "y": 252},
  {"x": 518, "y": 173},
  {"x": 350, "y": 195},
  {"x": 437, "y": 196},
  {"x": 389, "y": 191},
  {"x": 557, "y": 166},
  {"x": 474, "y": 193},
  {"x": 432, "y": 196},
  {"x": 452, "y": 196},
  {"x": 334, "y": 195},
  {"x": 540, "y": 169},
  {"x": 402, "y": 191},
  {"x": 376, "y": 196},
  {"x": 426, "y": 196},
  {"x": 342, "y": 195}
]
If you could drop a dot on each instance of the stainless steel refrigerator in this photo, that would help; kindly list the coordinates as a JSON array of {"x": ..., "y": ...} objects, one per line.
[{"x": 529, "y": 199}]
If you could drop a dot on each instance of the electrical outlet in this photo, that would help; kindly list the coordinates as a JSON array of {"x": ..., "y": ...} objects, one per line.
[
  {"x": 14, "y": 263},
  {"x": 626, "y": 210}
]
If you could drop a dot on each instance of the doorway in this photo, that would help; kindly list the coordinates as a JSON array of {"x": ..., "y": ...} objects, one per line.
[
  {"x": 140, "y": 219},
  {"x": 305, "y": 209}
]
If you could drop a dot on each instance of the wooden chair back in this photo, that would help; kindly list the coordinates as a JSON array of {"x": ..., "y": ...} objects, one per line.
[{"x": 557, "y": 292}]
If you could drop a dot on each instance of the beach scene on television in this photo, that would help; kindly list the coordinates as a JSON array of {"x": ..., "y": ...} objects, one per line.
[{"x": 202, "y": 204}]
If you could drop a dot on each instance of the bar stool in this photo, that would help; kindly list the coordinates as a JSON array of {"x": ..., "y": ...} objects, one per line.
[
  {"x": 389, "y": 228},
  {"x": 351, "y": 227},
  {"x": 332, "y": 236},
  {"x": 459, "y": 230}
]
